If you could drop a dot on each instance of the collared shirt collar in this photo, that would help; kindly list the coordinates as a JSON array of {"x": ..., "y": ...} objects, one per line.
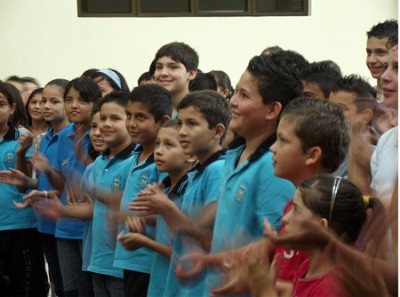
[
  {"x": 12, "y": 134},
  {"x": 214, "y": 157},
  {"x": 139, "y": 149},
  {"x": 264, "y": 147},
  {"x": 179, "y": 187},
  {"x": 125, "y": 153}
]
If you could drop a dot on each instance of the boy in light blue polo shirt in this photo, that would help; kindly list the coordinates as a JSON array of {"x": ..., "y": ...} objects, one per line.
[
  {"x": 249, "y": 191},
  {"x": 202, "y": 118},
  {"x": 149, "y": 106},
  {"x": 110, "y": 172},
  {"x": 169, "y": 157}
]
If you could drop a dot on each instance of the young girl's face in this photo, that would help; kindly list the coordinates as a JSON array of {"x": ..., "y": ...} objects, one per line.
[
  {"x": 95, "y": 137},
  {"x": 52, "y": 104},
  {"x": 6, "y": 110},
  {"x": 298, "y": 213},
  {"x": 35, "y": 108},
  {"x": 76, "y": 107},
  {"x": 248, "y": 110}
]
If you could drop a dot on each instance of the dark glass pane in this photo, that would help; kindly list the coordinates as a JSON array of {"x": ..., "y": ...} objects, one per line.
[
  {"x": 276, "y": 5},
  {"x": 165, "y": 5},
  {"x": 223, "y": 5},
  {"x": 106, "y": 6}
]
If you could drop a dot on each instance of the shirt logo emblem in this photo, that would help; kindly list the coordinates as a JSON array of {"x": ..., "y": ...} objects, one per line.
[
  {"x": 241, "y": 192},
  {"x": 117, "y": 183},
  {"x": 9, "y": 159}
]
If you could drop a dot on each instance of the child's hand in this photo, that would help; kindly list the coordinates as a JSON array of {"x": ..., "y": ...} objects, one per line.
[
  {"x": 25, "y": 141},
  {"x": 197, "y": 265},
  {"x": 253, "y": 274},
  {"x": 40, "y": 163},
  {"x": 308, "y": 235},
  {"x": 132, "y": 241},
  {"x": 51, "y": 208},
  {"x": 135, "y": 224},
  {"x": 152, "y": 189},
  {"x": 153, "y": 201},
  {"x": 13, "y": 177},
  {"x": 35, "y": 196}
]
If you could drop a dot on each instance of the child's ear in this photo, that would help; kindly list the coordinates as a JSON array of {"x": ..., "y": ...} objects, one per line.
[
  {"x": 274, "y": 110},
  {"x": 313, "y": 155},
  {"x": 225, "y": 92},
  {"x": 324, "y": 223},
  {"x": 219, "y": 130},
  {"x": 191, "y": 158},
  {"x": 163, "y": 120},
  {"x": 192, "y": 74},
  {"x": 366, "y": 116}
]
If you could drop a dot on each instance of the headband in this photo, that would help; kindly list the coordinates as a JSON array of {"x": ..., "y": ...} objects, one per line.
[{"x": 112, "y": 75}]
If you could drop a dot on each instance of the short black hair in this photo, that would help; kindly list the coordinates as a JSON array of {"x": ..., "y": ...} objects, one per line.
[
  {"x": 320, "y": 123},
  {"x": 212, "y": 105},
  {"x": 120, "y": 98},
  {"x": 146, "y": 76},
  {"x": 179, "y": 52},
  {"x": 156, "y": 98},
  {"x": 355, "y": 84},
  {"x": 323, "y": 74},
  {"x": 384, "y": 29},
  {"x": 203, "y": 81},
  {"x": 275, "y": 78}
]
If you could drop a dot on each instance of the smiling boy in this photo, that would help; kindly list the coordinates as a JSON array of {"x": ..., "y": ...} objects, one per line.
[
  {"x": 176, "y": 66},
  {"x": 377, "y": 51},
  {"x": 148, "y": 108}
]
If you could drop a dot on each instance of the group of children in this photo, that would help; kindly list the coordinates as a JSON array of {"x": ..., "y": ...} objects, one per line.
[{"x": 168, "y": 190}]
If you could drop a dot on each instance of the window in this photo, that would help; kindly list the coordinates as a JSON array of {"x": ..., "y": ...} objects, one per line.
[{"x": 176, "y": 8}]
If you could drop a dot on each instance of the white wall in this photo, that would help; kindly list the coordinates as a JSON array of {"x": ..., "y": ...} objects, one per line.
[{"x": 45, "y": 38}]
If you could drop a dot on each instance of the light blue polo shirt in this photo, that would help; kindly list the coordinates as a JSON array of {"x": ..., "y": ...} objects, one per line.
[
  {"x": 71, "y": 168},
  {"x": 110, "y": 175},
  {"x": 11, "y": 217},
  {"x": 249, "y": 193},
  {"x": 202, "y": 190},
  {"x": 87, "y": 186},
  {"x": 160, "y": 266},
  {"x": 48, "y": 147},
  {"x": 141, "y": 175}
]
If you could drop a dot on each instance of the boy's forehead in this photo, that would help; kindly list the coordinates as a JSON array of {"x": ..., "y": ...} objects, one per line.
[
  {"x": 137, "y": 107},
  {"x": 168, "y": 133},
  {"x": 343, "y": 95},
  {"x": 167, "y": 60},
  {"x": 286, "y": 124},
  {"x": 190, "y": 112},
  {"x": 377, "y": 42}
]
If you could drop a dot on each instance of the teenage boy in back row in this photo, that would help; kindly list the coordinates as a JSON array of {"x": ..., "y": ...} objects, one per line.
[{"x": 176, "y": 66}]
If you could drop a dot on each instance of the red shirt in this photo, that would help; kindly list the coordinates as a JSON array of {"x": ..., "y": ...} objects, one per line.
[
  {"x": 288, "y": 261},
  {"x": 327, "y": 285}
]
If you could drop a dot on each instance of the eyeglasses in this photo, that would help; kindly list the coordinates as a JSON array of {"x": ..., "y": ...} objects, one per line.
[{"x": 335, "y": 189}]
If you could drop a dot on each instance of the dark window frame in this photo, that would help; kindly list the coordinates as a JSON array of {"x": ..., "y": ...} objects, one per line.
[{"x": 194, "y": 4}]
